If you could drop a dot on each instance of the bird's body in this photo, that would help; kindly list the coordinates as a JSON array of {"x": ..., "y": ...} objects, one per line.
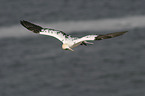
[{"x": 68, "y": 41}]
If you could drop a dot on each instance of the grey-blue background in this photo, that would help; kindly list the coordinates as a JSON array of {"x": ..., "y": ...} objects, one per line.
[{"x": 37, "y": 66}]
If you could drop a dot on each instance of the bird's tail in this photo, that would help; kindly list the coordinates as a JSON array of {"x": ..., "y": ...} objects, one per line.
[
  {"x": 31, "y": 26},
  {"x": 110, "y": 35}
]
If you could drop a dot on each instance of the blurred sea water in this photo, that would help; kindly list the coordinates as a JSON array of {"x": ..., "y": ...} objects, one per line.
[{"x": 36, "y": 65}]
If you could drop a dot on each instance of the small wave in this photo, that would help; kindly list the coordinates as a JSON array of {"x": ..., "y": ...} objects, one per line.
[{"x": 122, "y": 24}]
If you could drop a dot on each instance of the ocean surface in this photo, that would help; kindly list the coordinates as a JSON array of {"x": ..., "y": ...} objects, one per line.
[{"x": 35, "y": 65}]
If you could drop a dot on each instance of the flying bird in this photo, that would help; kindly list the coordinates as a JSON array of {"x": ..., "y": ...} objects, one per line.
[{"x": 68, "y": 42}]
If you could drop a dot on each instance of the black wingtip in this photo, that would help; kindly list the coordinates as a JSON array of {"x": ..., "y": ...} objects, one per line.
[
  {"x": 110, "y": 35},
  {"x": 30, "y": 26}
]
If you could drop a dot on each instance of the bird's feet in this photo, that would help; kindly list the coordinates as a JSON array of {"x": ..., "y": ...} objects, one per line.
[{"x": 85, "y": 43}]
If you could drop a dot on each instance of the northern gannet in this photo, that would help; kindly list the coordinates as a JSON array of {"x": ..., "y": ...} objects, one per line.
[{"x": 68, "y": 41}]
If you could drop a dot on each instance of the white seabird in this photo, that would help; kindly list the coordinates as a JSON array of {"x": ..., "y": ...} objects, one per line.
[{"x": 68, "y": 41}]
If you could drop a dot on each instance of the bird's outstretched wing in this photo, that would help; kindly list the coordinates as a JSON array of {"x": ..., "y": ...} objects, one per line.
[
  {"x": 99, "y": 37},
  {"x": 45, "y": 31}
]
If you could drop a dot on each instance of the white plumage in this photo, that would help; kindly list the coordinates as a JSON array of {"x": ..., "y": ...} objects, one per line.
[{"x": 68, "y": 41}]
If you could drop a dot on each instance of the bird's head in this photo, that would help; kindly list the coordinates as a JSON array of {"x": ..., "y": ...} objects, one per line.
[{"x": 66, "y": 47}]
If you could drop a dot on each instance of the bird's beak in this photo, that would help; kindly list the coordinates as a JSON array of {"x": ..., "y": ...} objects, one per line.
[{"x": 71, "y": 49}]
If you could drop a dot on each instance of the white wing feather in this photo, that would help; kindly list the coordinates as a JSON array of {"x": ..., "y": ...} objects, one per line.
[
  {"x": 86, "y": 38},
  {"x": 55, "y": 33}
]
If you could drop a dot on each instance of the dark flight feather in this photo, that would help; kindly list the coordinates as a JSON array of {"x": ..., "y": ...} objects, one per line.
[{"x": 31, "y": 27}]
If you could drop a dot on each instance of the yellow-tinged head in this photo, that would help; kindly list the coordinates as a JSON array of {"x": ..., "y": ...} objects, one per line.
[{"x": 66, "y": 47}]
